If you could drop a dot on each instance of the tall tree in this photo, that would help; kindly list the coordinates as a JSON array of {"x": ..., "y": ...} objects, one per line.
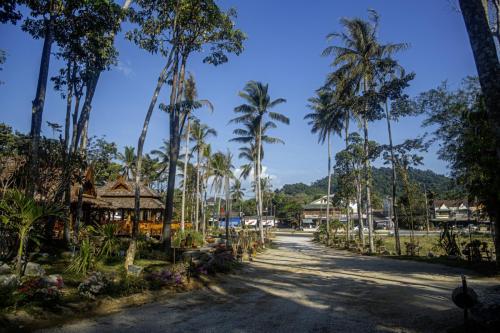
[
  {"x": 158, "y": 22},
  {"x": 466, "y": 139},
  {"x": 392, "y": 81},
  {"x": 237, "y": 194},
  {"x": 325, "y": 120},
  {"x": 256, "y": 111},
  {"x": 357, "y": 60},
  {"x": 199, "y": 134},
  {"x": 201, "y": 25},
  {"x": 128, "y": 159},
  {"x": 191, "y": 102}
]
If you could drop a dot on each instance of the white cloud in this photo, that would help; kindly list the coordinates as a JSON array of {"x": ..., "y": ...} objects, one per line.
[{"x": 125, "y": 67}]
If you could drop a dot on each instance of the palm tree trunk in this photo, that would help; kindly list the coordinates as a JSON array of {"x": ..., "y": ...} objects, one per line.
[
  {"x": 226, "y": 188},
  {"x": 393, "y": 181},
  {"x": 348, "y": 213},
  {"x": 368, "y": 187},
  {"x": 198, "y": 190},
  {"x": 19, "y": 262},
  {"x": 360, "y": 215},
  {"x": 183, "y": 206},
  {"x": 488, "y": 69},
  {"x": 258, "y": 185},
  {"x": 38, "y": 104},
  {"x": 328, "y": 190}
]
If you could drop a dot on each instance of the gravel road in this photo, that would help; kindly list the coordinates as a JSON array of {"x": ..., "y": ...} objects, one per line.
[{"x": 304, "y": 287}]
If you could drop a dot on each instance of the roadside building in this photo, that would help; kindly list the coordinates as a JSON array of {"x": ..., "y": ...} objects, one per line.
[{"x": 458, "y": 212}]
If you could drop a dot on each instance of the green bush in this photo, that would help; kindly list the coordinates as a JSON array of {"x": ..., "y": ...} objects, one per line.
[
  {"x": 109, "y": 242},
  {"x": 85, "y": 259},
  {"x": 182, "y": 238}
]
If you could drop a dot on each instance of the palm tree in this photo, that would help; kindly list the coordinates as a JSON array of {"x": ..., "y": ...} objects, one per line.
[
  {"x": 255, "y": 111},
  {"x": 217, "y": 169},
  {"x": 190, "y": 103},
  {"x": 237, "y": 194},
  {"x": 326, "y": 119},
  {"x": 163, "y": 156},
  {"x": 199, "y": 134},
  {"x": 22, "y": 213},
  {"x": 128, "y": 159},
  {"x": 206, "y": 168},
  {"x": 357, "y": 61},
  {"x": 222, "y": 171}
]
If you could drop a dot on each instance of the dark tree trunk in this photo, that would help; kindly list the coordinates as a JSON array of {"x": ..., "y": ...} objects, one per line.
[
  {"x": 173, "y": 156},
  {"x": 393, "y": 182},
  {"x": 488, "y": 69},
  {"x": 38, "y": 104},
  {"x": 369, "y": 216}
]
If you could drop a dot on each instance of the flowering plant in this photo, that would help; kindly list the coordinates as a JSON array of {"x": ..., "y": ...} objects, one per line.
[
  {"x": 94, "y": 285},
  {"x": 37, "y": 289}
]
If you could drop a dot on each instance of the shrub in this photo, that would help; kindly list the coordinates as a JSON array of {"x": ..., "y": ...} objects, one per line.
[
  {"x": 448, "y": 242},
  {"x": 187, "y": 238},
  {"x": 36, "y": 289},
  {"x": 85, "y": 258},
  {"x": 167, "y": 277},
  {"x": 109, "y": 242}
]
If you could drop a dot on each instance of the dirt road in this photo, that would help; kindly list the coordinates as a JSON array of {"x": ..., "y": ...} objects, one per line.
[{"x": 304, "y": 287}]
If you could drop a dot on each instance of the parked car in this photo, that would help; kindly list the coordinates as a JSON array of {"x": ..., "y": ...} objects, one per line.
[
  {"x": 356, "y": 229},
  {"x": 471, "y": 227}
]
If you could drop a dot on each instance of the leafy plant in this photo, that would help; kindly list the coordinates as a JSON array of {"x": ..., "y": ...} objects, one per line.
[
  {"x": 181, "y": 238},
  {"x": 85, "y": 258},
  {"x": 109, "y": 243},
  {"x": 22, "y": 213},
  {"x": 448, "y": 242}
]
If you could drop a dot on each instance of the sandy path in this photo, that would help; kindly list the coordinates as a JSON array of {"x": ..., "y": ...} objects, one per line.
[{"x": 303, "y": 287}]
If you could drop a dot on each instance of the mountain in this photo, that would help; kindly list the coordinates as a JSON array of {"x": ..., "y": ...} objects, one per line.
[{"x": 442, "y": 186}]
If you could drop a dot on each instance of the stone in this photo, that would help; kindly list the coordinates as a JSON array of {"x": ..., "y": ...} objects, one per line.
[
  {"x": 9, "y": 281},
  {"x": 135, "y": 270},
  {"x": 54, "y": 280},
  {"x": 67, "y": 255},
  {"x": 34, "y": 269},
  {"x": 386, "y": 253},
  {"x": 4, "y": 268}
]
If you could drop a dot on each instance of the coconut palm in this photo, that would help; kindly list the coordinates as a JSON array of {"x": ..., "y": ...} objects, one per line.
[
  {"x": 325, "y": 120},
  {"x": 217, "y": 173},
  {"x": 237, "y": 193},
  {"x": 199, "y": 134},
  {"x": 163, "y": 156},
  {"x": 256, "y": 111},
  {"x": 22, "y": 213},
  {"x": 222, "y": 171},
  {"x": 191, "y": 103},
  {"x": 356, "y": 60},
  {"x": 206, "y": 162},
  {"x": 128, "y": 160}
]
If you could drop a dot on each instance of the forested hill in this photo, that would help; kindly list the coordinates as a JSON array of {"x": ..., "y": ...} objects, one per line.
[{"x": 443, "y": 187}]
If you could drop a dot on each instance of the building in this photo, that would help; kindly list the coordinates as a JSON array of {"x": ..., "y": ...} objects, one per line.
[
  {"x": 455, "y": 210},
  {"x": 314, "y": 212},
  {"x": 121, "y": 195}
]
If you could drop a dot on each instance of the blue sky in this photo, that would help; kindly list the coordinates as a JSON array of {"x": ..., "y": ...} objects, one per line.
[{"x": 285, "y": 41}]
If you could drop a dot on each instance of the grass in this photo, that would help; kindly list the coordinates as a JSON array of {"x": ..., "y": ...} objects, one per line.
[{"x": 430, "y": 243}]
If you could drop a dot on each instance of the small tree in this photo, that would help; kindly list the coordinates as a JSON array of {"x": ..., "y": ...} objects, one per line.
[{"x": 23, "y": 213}]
